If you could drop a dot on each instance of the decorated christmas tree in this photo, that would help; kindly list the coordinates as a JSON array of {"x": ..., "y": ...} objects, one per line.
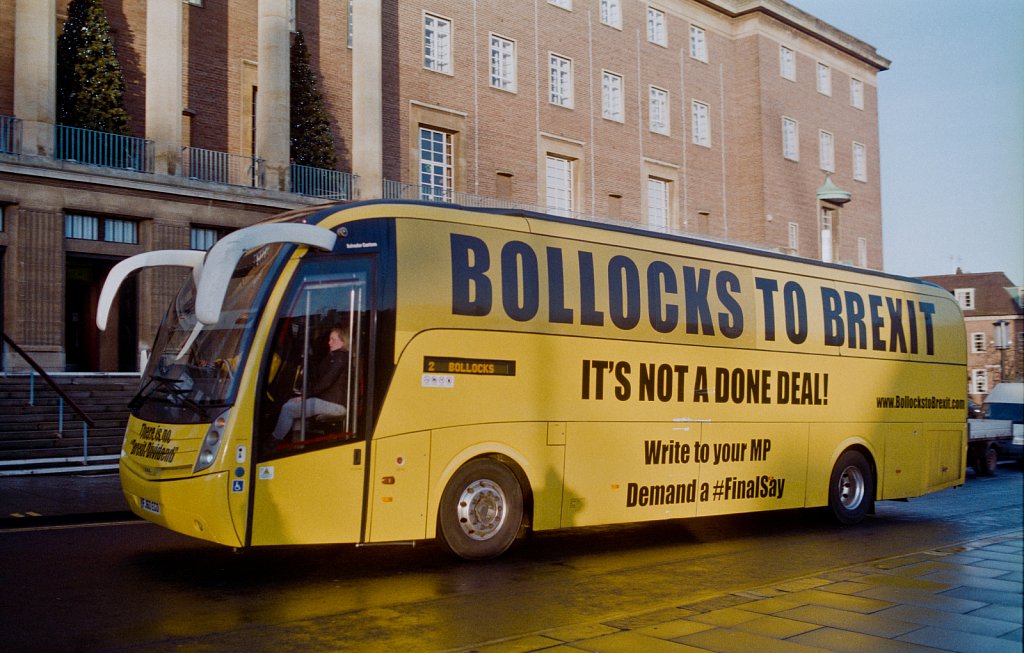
[
  {"x": 312, "y": 143},
  {"x": 90, "y": 87}
]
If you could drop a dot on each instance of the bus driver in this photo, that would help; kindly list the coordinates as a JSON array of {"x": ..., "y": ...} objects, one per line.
[{"x": 327, "y": 387}]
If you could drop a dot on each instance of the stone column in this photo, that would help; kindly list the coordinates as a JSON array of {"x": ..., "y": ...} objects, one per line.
[
  {"x": 272, "y": 98},
  {"x": 163, "y": 82},
  {"x": 367, "y": 101},
  {"x": 35, "y": 73}
]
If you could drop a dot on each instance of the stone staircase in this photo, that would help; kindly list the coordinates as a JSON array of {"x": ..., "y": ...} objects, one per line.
[{"x": 31, "y": 438}]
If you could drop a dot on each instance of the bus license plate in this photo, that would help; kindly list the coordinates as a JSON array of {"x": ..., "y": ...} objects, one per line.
[{"x": 151, "y": 506}]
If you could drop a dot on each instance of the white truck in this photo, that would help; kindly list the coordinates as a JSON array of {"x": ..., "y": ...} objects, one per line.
[{"x": 986, "y": 439}]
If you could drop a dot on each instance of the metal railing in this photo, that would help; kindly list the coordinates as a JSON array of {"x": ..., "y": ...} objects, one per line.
[
  {"x": 320, "y": 182},
  {"x": 396, "y": 190},
  {"x": 10, "y": 135},
  {"x": 103, "y": 149},
  {"x": 62, "y": 396},
  {"x": 223, "y": 168}
]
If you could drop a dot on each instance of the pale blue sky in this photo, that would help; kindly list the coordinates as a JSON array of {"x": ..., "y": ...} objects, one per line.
[{"x": 951, "y": 117}]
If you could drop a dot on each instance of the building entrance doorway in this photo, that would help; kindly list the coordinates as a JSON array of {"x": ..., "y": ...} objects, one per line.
[{"x": 86, "y": 348}]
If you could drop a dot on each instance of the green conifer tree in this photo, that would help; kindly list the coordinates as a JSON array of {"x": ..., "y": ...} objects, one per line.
[
  {"x": 312, "y": 143},
  {"x": 90, "y": 86}
]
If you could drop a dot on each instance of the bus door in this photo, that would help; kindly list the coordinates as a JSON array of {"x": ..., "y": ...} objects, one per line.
[{"x": 311, "y": 423}]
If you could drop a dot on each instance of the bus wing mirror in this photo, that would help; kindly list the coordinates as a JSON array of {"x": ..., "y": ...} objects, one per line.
[
  {"x": 118, "y": 273},
  {"x": 224, "y": 256}
]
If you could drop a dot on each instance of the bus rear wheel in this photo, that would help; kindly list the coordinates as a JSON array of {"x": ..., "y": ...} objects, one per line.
[
  {"x": 851, "y": 488},
  {"x": 481, "y": 510}
]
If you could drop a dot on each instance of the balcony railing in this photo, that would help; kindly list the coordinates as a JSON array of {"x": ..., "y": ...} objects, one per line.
[
  {"x": 103, "y": 149},
  {"x": 223, "y": 168},
  {"x": 10, "y": 135},
  {"x": 319, "y": 182}
]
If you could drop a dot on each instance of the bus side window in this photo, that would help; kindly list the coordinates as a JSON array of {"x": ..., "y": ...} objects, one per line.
[{"x": 315, "y": 379}]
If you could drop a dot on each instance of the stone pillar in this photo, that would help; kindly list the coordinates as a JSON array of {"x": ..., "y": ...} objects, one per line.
[
  {"x": 272, "y": 98},
  {"x": 35, "y": 73},
  {"x": 367, "y": 101},
  {"x": 163, "y": 82}
]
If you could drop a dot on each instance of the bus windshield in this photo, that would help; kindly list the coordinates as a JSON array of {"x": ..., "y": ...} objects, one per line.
[{"x": 192, "y": 375}]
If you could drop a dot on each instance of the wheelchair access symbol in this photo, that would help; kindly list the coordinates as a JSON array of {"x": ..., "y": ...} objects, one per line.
[{"x": 237, "y": 485}]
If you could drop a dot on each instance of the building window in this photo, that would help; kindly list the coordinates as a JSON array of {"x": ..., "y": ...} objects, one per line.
[
  {"x": 560, "y": 173},
  {"x": 979, "y": 382},
  {"x": 790, "y": 139},
  {"x": 862, "y": 252},
  {"x": 658, "y": 111},
  {"x": 203, "y": 238},
  {"x": 656, "y": 32},
  {"x": 827, "y": 219},
  {"x": 824, "y": 79},
  {"x": 564, "y": 4},
  {"x": 698, "y": 43},
  {"x": 110, "y": 230},
  {"x": 793, "y": 240},
  {"x": 437, "y": 40},
  {"x": 350, "y": 23},
  {"x": 860, "y": 162},
  {"x": 856, "y": 93},
  {"x": 611, "y": 13},
  {"x": 965, "y": 297},
  {"x": 978, "y": 343},
  {"x": 657, "y": 204},
  {"x": 701, "y": 124},
  {"x": 195, "y": 3},
  {"x": 611, "y": 96},
  {"x": 437, "y": 171},
  {"x": 503, "y": 63},
  {"x": 561, "y": 81},
  {"x": 826, "y": 151},
  {"x": 787, "y": 63}
]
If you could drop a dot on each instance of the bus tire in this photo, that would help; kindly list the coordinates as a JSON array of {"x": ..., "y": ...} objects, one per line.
[
  {"x": 481, "y": 510},
  {"x": 851, "y": 488}
]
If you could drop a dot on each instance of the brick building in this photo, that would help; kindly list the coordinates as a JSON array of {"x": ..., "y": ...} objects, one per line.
[
  {"x": 988, "y": 299},
  {"x": 736, "y": 119}
]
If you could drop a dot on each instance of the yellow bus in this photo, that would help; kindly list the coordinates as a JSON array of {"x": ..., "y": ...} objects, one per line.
[{"x": 505, "y": 371}]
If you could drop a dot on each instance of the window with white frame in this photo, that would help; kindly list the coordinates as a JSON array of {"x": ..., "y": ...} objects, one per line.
[
  {"x": 110, "y": 230},
  {"x": 793, "y": 240},
  {"x": 437, "y": 38},
  {"x": 790, "y": 139},
  {"x": 824, "y": 79},
  {"x": 658, "y": 204},
  {"x": 978, "y": 342},
  {"x": 856, "y": 93},
  {"x": 698, "y": 43},
  {"x": 560, "y": 81},
  {"x": 437, "y": 167},
  {"x": 564, "y": 4},
  {"x": 559, "y": 176},
  {"x": 611, "y": 96},
  {"x": 658, "y": 110},
  {"x": 965, "y": 297},
  {"x": 827, "y": 235},
  {"x": 826, "y": 151},
  {"x": 503, "y": 63},
  {"x": 787, "y": 63},
  {"x": 862, "y": 252},
  {"x": 979, "y": 382},
  {"x": 701, "y": 124},
  {"x": 656, "y": 30},
  {"x": 611, "y": 13},
  {"x": 860, "y": 162}
]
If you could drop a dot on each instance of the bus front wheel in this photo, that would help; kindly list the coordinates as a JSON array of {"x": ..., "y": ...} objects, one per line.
[
  {"x": 851, "y": 488},
  {"x": 481, "y": 510}
]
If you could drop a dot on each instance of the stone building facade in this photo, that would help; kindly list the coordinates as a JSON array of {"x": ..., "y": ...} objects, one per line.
[{"x": 742, "y": 120}]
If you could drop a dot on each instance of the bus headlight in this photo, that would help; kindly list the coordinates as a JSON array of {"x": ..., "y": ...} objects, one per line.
[{"x": 210, "y": 448}]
